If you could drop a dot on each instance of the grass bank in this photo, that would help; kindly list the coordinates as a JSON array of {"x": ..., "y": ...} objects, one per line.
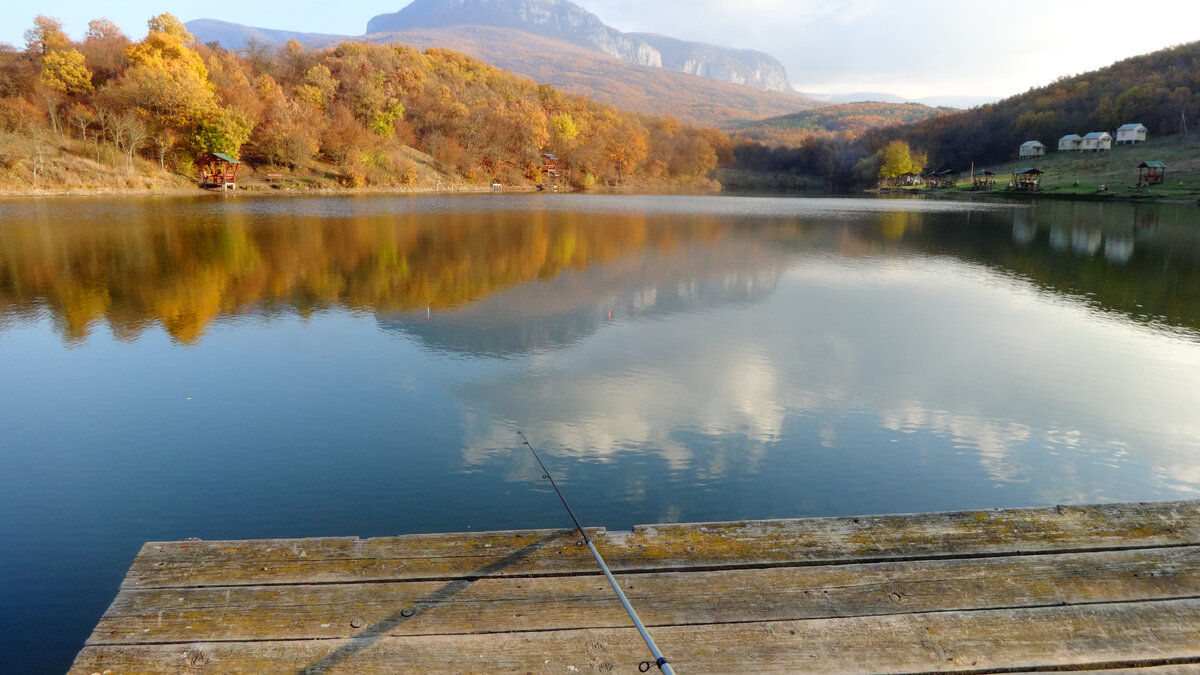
[{"x": 1109, "y": 175}]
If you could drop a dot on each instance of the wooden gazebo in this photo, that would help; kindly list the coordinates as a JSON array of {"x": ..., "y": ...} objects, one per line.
[
  {"x": 983, "y": 179},
  {"x": 1027, "y": 179},
  {"x": 549, "y": 171},
  {"x": 946, "y": 178},
  {"x": 218, "y": 170},
  {"x": 1151, "y": 173}
]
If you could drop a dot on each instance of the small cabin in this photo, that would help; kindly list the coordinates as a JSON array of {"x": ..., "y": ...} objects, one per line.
[
  {"x": 1128, "y": 134},
  {"x": 1151, "y": 173},
  {"x": 1032, "y": 149},
  {"x": 1097, "y": 141},
  {"x": 218, "y": 170},
  {"x": 1027, "y": 179},
  {"x": 1070, "y": 143}
]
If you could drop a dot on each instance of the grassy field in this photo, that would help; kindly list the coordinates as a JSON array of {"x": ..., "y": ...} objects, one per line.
[{"x": 1083, "y": 174}]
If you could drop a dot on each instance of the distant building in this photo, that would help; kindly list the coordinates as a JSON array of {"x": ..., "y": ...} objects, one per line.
[
  {"x": 1032, "y": 149},
  {"x": 1070, "y": 143},
  {"x": 1097, "y": 141},
  {"x": 1128, "y": 134}
]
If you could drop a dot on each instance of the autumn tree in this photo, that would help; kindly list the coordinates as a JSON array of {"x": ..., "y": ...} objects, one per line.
[
  {"x": 288, "y": 131},
  {"x": 46, "y": 36},
  {"x": 897, "y": 159},
  {"x": 66, "y": 72},
  {"x": 104, "y": 47}
]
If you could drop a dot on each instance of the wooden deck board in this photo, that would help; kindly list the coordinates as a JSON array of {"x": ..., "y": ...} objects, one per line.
[
  {"x": 662, "y": 547},
  {"x": 325, "y": 611},
  {"x": 1088, "y": 588}
]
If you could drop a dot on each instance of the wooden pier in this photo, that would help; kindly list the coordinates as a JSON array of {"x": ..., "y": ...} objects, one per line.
[{"x": 1112, "y": 588}]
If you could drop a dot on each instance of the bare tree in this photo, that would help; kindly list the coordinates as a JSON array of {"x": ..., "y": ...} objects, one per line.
[{"x": 129, "y": 132}]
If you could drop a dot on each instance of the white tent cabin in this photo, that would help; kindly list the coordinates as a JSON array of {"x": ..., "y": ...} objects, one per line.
[
  {"x": 1032, "y": 149},
  {"x": 1097, "y": 141},
  {"x": 1128, "y": 134},
  {"x": 1070, "y": 143}
]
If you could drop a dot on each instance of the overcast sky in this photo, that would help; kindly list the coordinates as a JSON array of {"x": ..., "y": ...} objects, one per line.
[{"x": 913, "y": 49}]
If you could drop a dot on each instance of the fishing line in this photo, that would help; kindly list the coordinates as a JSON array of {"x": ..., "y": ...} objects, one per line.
[{"x": 659, "y": 659}]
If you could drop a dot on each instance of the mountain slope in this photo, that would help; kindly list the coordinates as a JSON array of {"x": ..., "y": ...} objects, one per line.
[
  {"x": 566, "y": 21},
  {"x": 569, "y": 67}
]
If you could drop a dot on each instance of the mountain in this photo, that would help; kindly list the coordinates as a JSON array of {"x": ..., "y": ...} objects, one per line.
[
  {"x": 579, "y": 70},
  {"x": 564, "y": 20},
  {"x": 237, "y": 36}
]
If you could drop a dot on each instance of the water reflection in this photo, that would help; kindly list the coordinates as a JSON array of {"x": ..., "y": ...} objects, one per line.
[
  {"x": 181, "y": 265},
  {"x": 916, "y": 357},
  {"x": 1085, "y": 230}
]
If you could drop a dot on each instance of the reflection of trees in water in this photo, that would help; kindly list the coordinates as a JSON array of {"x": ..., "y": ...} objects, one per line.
[
  {"x": 141, "y": 272},
  {"x": 1137, "y": 259}
]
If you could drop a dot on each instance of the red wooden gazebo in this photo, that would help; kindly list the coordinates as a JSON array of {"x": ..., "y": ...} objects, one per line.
[
  {"x": 218, "y": 170},
  {"x": 1027, "y": 179},
  {"x": 1151, "y": 173}
]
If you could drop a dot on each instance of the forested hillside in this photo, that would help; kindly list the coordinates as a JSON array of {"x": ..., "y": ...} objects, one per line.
[
  {"x": 353, "y": 113},
  {"x": 851, "y": 119},
  {"x": 1160, "y": 90}
]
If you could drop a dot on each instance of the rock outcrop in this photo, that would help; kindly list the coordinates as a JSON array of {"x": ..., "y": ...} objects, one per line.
[{"x": 566, "y": 21}]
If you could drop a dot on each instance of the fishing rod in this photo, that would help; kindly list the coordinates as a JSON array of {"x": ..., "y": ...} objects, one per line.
[{"x": 659, "y": 659}]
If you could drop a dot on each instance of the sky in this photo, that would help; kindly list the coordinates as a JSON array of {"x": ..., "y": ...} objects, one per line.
[{"x": 911, "y": 49}]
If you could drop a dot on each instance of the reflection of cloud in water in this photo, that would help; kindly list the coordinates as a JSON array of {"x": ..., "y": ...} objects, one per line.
[
  {"x": 596, "y": 416},
  {"x": 992, "y": 439},
  {"x": 996, "y": 366}
]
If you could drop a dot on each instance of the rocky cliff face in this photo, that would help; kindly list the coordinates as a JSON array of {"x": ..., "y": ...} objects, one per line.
[
  {"x": 564, "y": 20},
  {"x": 741, "y": 66}
]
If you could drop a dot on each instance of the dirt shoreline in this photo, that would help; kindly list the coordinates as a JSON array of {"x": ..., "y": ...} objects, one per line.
[{"x": 257, "y": 191}]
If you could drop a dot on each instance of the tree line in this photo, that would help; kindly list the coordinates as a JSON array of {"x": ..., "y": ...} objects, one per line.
[{"x": 355, "y": 107}]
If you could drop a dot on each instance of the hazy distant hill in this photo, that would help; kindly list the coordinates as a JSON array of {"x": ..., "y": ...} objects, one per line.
[
  {"x": 566, "y": 21},
  {"x": 237, "y": 36},
  {"x": 851, "y": 118},
  {"x": 576, "y": 69},
  {"x": 948, "y": 101}
]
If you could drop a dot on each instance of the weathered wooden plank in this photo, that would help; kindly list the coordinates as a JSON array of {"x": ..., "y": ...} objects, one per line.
[
  {"x": 328, "y": 611},
  {"x": 1181, "y": 669},
  {"x": 1091, "y": 636},
  {"x": 665, "y": 547}
]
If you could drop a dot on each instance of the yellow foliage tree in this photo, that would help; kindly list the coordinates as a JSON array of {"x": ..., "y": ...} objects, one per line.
[
  {"x": 167, "y": 78},
  {"x": 897, "y": 159},
  {"x": 66, "y": 72}
]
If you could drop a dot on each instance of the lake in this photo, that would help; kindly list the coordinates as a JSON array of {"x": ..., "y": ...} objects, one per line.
[{"x": 228, "y": 367}]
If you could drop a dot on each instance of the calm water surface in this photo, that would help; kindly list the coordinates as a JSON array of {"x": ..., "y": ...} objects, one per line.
[{"x": 285, "y": 367}]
